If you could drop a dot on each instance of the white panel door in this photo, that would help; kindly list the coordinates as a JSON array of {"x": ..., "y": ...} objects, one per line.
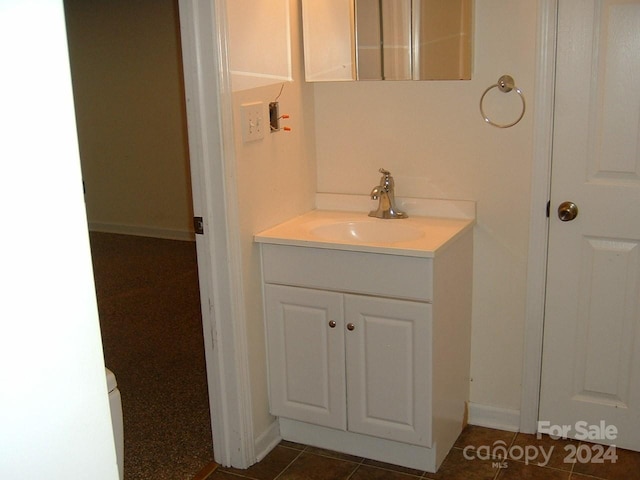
[
  {"x": 306, "y": 355},
  {"x": 389, "y": 368},
  {"x": 591, "y": 360}
]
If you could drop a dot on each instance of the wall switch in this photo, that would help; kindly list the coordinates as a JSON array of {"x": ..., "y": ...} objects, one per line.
[{"x": 252, "y": 121}]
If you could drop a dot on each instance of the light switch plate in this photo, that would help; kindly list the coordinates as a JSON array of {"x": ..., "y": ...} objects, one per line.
[{"x": 252, "y": 121}]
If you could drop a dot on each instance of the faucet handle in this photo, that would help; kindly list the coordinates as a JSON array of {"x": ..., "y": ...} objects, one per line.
[{"x": 387, "y": 180}]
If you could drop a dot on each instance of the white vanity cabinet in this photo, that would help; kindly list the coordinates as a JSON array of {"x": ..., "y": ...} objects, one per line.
[
  {"x": 368, "y": 353},
  {"x": 350, "y": 362}
]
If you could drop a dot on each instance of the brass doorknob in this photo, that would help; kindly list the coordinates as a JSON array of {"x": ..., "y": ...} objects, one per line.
[
  {"x": 332, "y": 323},
  {"x": 350, "y": 326},
  {"x": 567, "y": 211}
]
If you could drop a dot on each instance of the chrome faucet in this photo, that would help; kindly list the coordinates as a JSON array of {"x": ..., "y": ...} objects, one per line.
[{"x": 384, "y": 193}]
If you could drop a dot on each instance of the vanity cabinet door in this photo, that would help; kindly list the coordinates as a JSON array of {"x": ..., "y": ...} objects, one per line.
[
  {"x": 388, "y": 359},
  {"x": 305, "y": 338}
]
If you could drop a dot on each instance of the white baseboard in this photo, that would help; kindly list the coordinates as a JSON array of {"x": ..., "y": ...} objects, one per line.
[
  {"x": 267, "y": 440},
  {"x": 494, "y": 417},
  {"x": 142, "y": 231}
]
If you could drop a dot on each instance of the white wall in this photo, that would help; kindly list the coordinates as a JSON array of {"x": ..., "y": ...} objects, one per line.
[
  {"x": 259, "y": 34},
  {"x": 54, "y": 411},
  {"x": 127, "y": 81},
  {"x": 276, "y": 180},
  {"x": 431, "y": 136}
]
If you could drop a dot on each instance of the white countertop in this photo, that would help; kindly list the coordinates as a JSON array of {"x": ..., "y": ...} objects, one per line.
[{"x": 434, "y": 233}]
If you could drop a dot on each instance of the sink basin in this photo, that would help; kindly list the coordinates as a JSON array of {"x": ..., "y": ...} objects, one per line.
[
  {"x": 356, "y": 232},
  {"x": 367, "y": 231}
]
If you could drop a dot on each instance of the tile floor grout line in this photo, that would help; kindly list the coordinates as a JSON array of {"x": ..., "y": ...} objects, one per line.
[
  {"x": 355, "y": 469},
  {"x": 499, "y": 469},
  {"x": 513, "y": 441},
  {"x": 586, "y": 475},
  {"x": 391, "y": 470},
  {"x": 290, "y": 463},
  {"x": 233, "y": 474},
  {"x": 208, "y": 475},
  {"x": 573, "y": 465}
]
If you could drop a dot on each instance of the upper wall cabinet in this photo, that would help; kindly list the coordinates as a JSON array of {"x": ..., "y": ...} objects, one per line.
[
  {"x": 387, "y": 39},
  {"x": 259, "y": 34}
]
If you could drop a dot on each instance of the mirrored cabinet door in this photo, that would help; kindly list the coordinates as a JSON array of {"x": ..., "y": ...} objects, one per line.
[{"x": 387, "y": 39}]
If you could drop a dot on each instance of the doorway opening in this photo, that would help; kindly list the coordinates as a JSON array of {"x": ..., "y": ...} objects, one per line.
[{"x": 129, "y": 94}]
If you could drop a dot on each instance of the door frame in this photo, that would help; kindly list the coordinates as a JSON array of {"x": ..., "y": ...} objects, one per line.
[
  {"x": 539, "y": 222},
  {"x": 213, "y": 173}
]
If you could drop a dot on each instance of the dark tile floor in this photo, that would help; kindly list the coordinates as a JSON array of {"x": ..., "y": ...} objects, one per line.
[{"x": 479, "y": 454}]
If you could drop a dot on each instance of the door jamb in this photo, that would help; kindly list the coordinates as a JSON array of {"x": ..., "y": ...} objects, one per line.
[
  {"x": 539, "y": 223},
  {"x": 212, "y": 155}
]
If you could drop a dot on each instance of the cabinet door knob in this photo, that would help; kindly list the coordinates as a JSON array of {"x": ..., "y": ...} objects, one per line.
[
  {"x": 350, "y": 327},
  {"x": 332, "y": 324}
]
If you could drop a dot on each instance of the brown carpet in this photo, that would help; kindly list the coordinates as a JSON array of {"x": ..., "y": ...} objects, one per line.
[{"x": 149, "y": 306}]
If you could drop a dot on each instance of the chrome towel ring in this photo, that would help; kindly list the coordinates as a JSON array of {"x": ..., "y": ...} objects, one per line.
[{"x": 505, "y": 84}]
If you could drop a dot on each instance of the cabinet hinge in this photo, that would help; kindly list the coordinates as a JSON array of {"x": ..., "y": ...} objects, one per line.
[{"x": 198, "y": 225}]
